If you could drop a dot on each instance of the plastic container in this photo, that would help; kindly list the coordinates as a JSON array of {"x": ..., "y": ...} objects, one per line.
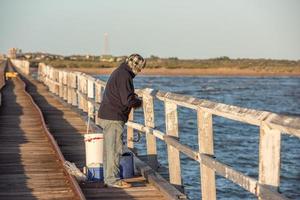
[
  {"x": 126, "y": 165},
  {"x": 94, "y": 156},
  {"x": 94, "y": 149},
  {"x": 95, "y": 173}
]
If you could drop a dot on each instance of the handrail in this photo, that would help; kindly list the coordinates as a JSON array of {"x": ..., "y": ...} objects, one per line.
[
  {"x": 84, "y": 91},
  {"x": 224, "y": 170},
  {"x": 286, "y": 124}
]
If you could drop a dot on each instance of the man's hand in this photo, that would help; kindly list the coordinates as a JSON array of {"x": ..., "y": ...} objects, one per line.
[{"x": 139, "y": 102}]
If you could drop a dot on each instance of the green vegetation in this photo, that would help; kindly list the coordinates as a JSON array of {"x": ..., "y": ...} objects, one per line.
[
  {"x": 174, "y": 62},
  {"x": 80, "y": 64},
  {"x": 221, "y": 62}
]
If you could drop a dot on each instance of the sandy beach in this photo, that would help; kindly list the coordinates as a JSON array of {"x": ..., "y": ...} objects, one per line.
[{"x": 200, "y": 72}]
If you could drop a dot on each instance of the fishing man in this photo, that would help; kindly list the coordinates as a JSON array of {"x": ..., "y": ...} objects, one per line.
[{"x": 118, "y": 99}]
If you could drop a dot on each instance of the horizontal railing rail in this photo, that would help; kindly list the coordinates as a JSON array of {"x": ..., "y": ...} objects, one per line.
[{"x": 85, "y": 91}]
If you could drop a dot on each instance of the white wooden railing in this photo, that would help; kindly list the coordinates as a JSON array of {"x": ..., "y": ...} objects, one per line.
[{"x": 85, "y": 92}]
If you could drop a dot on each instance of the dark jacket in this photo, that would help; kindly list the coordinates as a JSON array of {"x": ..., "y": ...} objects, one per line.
[{"x": 119, "y": 97}]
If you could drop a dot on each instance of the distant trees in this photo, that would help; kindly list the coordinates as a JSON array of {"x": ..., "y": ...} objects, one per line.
[
  {"x": 153, "y": 57},
  {"x": 224, "y": 58},
  {"x": 173, "y": 58}
]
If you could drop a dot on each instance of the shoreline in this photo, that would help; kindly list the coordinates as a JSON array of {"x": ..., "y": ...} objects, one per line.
[{"x": 195, "y": 72}]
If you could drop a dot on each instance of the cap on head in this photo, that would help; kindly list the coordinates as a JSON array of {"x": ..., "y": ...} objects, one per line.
[{"x": 136, "y": 62}]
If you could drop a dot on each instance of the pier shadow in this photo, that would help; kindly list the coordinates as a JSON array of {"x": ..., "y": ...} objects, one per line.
[
  {"x": 68, "y": 137},
  {"x": 13, "y": 178}
]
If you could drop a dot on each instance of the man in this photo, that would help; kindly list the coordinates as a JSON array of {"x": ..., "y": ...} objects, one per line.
[{"x": 118, "y": 99}]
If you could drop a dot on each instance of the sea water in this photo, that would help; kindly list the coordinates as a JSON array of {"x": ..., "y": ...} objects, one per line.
[{"x": 235, "y": 143}]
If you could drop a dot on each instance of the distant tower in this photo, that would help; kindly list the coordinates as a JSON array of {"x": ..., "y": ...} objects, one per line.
[{"x": 106, "y": 46}]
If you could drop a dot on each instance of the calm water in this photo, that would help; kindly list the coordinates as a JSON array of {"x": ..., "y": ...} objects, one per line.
[{"x": 236, "y": 144}]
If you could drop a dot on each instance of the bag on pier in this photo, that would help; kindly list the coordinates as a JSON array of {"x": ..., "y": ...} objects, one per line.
[{"x": 73, "y": 170}]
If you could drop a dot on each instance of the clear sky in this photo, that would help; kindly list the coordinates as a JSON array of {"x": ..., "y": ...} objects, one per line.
[{"x": 165, "y": 28}]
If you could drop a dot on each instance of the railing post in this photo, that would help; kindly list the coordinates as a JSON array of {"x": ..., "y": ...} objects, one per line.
[
  {"x": 130, "y": 135},
  {"x": 52, "y": 81},
  {"x": 91, "y": 87},
  {"x": 70, "y": 89},
  {"x": 206, "y": 146},
  {"x": 65, "y": 84},
  {"x": 74, "y": 85},
  {"x": 98, "y": 97},
  {"x": 60, "y": 82},
  {"x": 56, "y": 79},
  {"x": 269, "y": 156},
  {"x": 78, "y": 91},
  {"x": 91, "y": 95},
  {"x": 148, "y": 107},
  {"x": 173, "y": 154},
  {"x": 84, "y": 91}
]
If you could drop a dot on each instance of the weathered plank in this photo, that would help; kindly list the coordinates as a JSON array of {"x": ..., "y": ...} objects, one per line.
[
  {"x": 206, "y": 146},
  {"x": 148, "y": 108},
  {"x": 169, "y": 191},
  {"x": 173, "y": 153},
  {"x": 269, "y": 156}
]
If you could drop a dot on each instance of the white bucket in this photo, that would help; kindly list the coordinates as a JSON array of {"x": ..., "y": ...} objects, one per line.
[{"x": 94, "y": 149}]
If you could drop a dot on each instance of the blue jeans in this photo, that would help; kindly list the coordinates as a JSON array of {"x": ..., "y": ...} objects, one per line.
[{"x": 112, "y": 149}]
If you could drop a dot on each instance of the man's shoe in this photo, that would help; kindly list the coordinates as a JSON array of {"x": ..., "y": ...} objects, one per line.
[{"x": 120, "y": 184}]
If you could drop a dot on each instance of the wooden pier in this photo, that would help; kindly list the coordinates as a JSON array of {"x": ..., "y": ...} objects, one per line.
[
  {"x": 67, "y": 98},
  {"x": 30, "y": 164}
]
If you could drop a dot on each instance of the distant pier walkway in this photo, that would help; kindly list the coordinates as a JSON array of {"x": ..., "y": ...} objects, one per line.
[{"x": 29, "y": 168}]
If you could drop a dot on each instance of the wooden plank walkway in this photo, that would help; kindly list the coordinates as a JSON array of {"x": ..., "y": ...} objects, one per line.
[
  {"x": 28, "y": 166},
  {"x": 68, "y": 128}
]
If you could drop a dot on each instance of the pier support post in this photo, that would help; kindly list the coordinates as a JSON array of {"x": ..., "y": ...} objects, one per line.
[
  {"x": 206, "y": 146},
  {"x": 173, "y": 153},
  {"x": 269, "y": 157},
  {"x": 148, "y": 107}
]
